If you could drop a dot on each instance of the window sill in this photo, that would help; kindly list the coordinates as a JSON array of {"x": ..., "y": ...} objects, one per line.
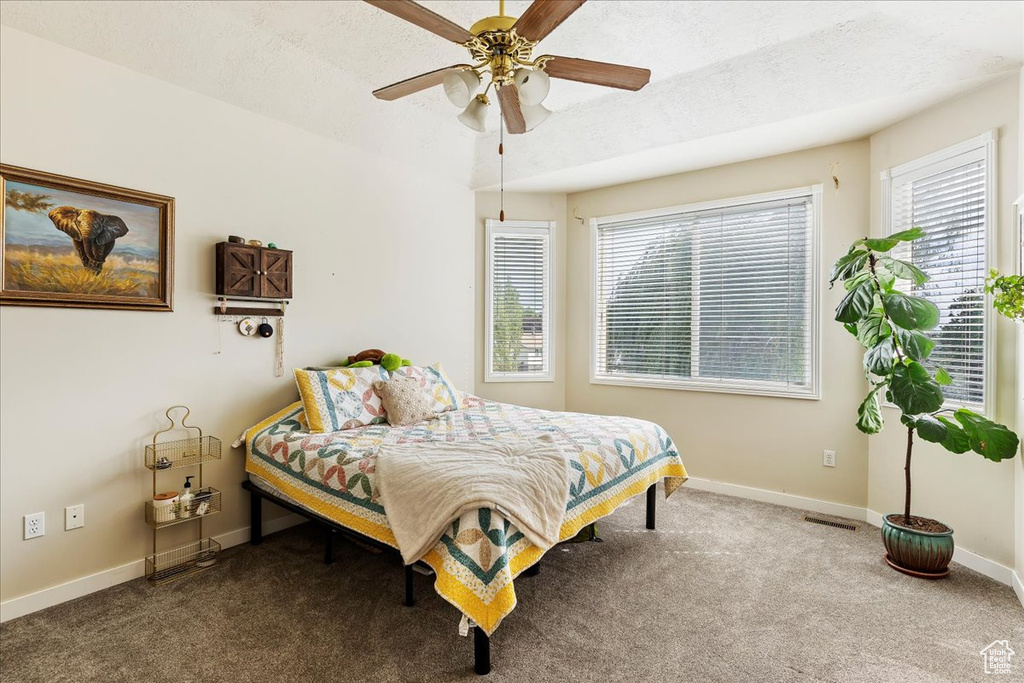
[
  {"x": 705, "y": 387},
  {"x": 510, "y": 379}
]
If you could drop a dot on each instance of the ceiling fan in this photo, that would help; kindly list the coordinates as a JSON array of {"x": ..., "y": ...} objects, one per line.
[{"x": 502, "y": 46}]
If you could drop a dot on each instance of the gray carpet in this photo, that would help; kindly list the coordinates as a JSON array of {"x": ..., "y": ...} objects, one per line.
[{"x": 725, "y": 590}]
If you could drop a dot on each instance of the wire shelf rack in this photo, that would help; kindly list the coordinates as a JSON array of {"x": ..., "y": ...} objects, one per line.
[
  {"x": 182, "y": 561},
  {"x": 171, "y": 455},
  {"x": 205, "y": 503}
]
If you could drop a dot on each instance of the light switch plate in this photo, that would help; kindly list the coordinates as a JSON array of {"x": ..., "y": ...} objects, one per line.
[{"x": 74, "y": 517}]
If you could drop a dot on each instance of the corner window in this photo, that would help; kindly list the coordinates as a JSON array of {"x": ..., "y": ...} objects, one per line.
[
  {"x": 720, "y": 296},
  {"x": 518, "y": 302},
  {"x": 949, "y": 195}
]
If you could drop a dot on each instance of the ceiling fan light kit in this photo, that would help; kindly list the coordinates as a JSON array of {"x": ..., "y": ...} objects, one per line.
[
  {"x": 475, "y": 114},
  {"x": 502, "y": 46},
  {"x": 461, "y": 86},
  {"x": 535, "y": 115},
  {"x": 533, "y": 84}
]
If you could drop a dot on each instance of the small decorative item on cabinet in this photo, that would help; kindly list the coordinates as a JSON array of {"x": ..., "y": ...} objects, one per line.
[{"x": 168, "y": 508}]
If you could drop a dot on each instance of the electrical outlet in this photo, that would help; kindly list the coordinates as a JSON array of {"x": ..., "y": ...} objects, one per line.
[
  {"x": 35, "y": 525},
  {"x": 74, "y": 517},
  {"x": 828, "y": 458}
]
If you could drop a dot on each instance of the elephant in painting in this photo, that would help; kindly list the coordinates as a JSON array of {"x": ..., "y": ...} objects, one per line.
[{"x": 92, "y": 233}]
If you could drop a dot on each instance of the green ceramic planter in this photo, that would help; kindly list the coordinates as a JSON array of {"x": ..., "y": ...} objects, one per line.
[{"x": 919, "y": 553}]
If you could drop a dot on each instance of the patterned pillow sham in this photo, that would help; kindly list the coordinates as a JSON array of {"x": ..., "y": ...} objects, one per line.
[
  {"x": 437, "y": 384},
  {"x": 341, "y": 398}
]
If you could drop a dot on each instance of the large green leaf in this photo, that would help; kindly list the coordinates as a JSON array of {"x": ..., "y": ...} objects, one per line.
[
  {"x": 847, "y": 265},
  {"x": 916, "y": 345},
  {"x": 880, "y": 243},
  {"x": 930, "y": 429},
  {"x": 869, "y": 415},
  {"x": 886, "y": 280},
  {"x": 879, "y": 358},
  {"x": 857, "y": 280},
  {"x": 908, "y": 235},
  {"x": 914, "y": 390},
  {"x": 856, "y": 304},
  {"x": 942, "y": 377},
  {"x": 987, "y": 438},
  {"x": 887, "y": 243},
  {"x": 872, "y": 328},
  {"x": 956, "y": 440},
  {"x": 911, "y": 312},
  {"x": 906, "y": 271}
]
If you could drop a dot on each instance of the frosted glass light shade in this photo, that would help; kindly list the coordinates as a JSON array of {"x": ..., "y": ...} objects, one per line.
[
  {"x": 474, "y": 116},
  {"x": 533, "y": 86},
  {"x": 535, "y": 115},
  {"x": 460, "y": 86}
]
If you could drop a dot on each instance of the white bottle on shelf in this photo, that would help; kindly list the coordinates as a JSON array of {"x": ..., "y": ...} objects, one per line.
[{"x": 185, "y": 500}]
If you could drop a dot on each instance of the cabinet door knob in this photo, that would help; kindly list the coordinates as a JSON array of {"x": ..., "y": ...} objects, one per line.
[{"x": 258, "y": 272}]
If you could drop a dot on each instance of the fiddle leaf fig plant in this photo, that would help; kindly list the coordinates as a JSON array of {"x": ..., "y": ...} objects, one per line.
[{"x": 892, "y": 327}]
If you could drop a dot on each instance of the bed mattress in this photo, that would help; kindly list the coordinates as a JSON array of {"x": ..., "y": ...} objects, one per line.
[{"x": 476, "y": 560}]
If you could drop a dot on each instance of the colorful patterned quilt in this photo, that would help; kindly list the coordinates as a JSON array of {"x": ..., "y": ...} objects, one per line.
[{"x": 332, "y": 474}]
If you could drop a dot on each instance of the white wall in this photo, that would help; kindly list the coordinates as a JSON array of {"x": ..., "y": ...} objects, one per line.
[
  {"x": 971, "y": 494},
  {"x": 383, "y": 257}
]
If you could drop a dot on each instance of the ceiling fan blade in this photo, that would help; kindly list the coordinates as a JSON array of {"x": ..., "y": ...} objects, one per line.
[
  {"x": 411, "y": 85},
  {"x": 598, "y": 73},
  {"x": 511, "y": 111},
  {"x": 424, "y": 18},
  {"x": 544, "y": 16}
]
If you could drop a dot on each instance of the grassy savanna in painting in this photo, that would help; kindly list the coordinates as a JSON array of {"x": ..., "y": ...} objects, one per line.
[
  {"x": 63, "y": 242},
  {"x": 47, "y": 269}
]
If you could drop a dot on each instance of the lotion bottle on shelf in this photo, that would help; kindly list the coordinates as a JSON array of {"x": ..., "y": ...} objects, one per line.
[{"x": 185, "y": 500}]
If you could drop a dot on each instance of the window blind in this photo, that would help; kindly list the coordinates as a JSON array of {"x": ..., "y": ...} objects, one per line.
[
  {"x": 947, "y": 199},
  {"x": 719, "y": 298},
  {"x": 519, "y": 301}
]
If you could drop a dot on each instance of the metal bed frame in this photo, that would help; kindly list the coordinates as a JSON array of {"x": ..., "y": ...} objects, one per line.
[{"x": 481, "y": 641}]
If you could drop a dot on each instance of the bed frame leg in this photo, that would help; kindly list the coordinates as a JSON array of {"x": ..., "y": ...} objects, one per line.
[
  {"x": 329, "y": 547},
  {"x": 652, "y": 498},
  {"x": 255, "y": 519},
  {"x": 409, "y": 602},
  {"x": 481, "y": 652}
]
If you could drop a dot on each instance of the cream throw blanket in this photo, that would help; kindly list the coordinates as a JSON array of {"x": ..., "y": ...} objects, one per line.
[{"x": 425, "y": 487}]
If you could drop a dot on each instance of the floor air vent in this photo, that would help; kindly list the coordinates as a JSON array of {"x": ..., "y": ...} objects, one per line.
[{"x": 824, "y": 521}]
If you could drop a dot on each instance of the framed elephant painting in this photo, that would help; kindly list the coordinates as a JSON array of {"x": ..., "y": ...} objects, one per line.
[{"x": 77, "y": 243}]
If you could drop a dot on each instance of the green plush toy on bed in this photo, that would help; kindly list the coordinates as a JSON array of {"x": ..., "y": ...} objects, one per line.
[{"x": 364, "y": 359}]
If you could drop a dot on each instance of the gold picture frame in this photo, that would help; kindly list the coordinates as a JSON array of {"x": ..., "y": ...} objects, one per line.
[{"x": 76, "y": 243}]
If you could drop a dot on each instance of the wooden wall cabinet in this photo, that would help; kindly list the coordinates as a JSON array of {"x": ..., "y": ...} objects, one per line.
[{"x": 259, "y": 272}]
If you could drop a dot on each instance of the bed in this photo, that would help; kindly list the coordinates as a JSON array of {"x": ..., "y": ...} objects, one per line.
[{"x": 330, "y": 476}]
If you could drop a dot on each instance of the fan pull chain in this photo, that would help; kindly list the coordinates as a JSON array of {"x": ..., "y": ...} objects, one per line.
[{"x": 501, "y": 165}]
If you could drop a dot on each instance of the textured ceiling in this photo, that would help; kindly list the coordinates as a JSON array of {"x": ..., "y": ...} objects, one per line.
[{"x": 730, "y": 80}]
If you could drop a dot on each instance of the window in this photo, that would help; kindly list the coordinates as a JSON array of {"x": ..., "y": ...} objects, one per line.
[
  {"x": 720, "y": 296},
  {"x": 949, "y": 195},
  {"x": 518, "y": 332}
]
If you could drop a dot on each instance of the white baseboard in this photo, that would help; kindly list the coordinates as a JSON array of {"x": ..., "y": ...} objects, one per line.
[
  {"x": 787, "y": 499},
  {"x": 1018, "y": 588},
  {"x": 982, "y": 565},
  {"x": 76, "y": 588}
]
